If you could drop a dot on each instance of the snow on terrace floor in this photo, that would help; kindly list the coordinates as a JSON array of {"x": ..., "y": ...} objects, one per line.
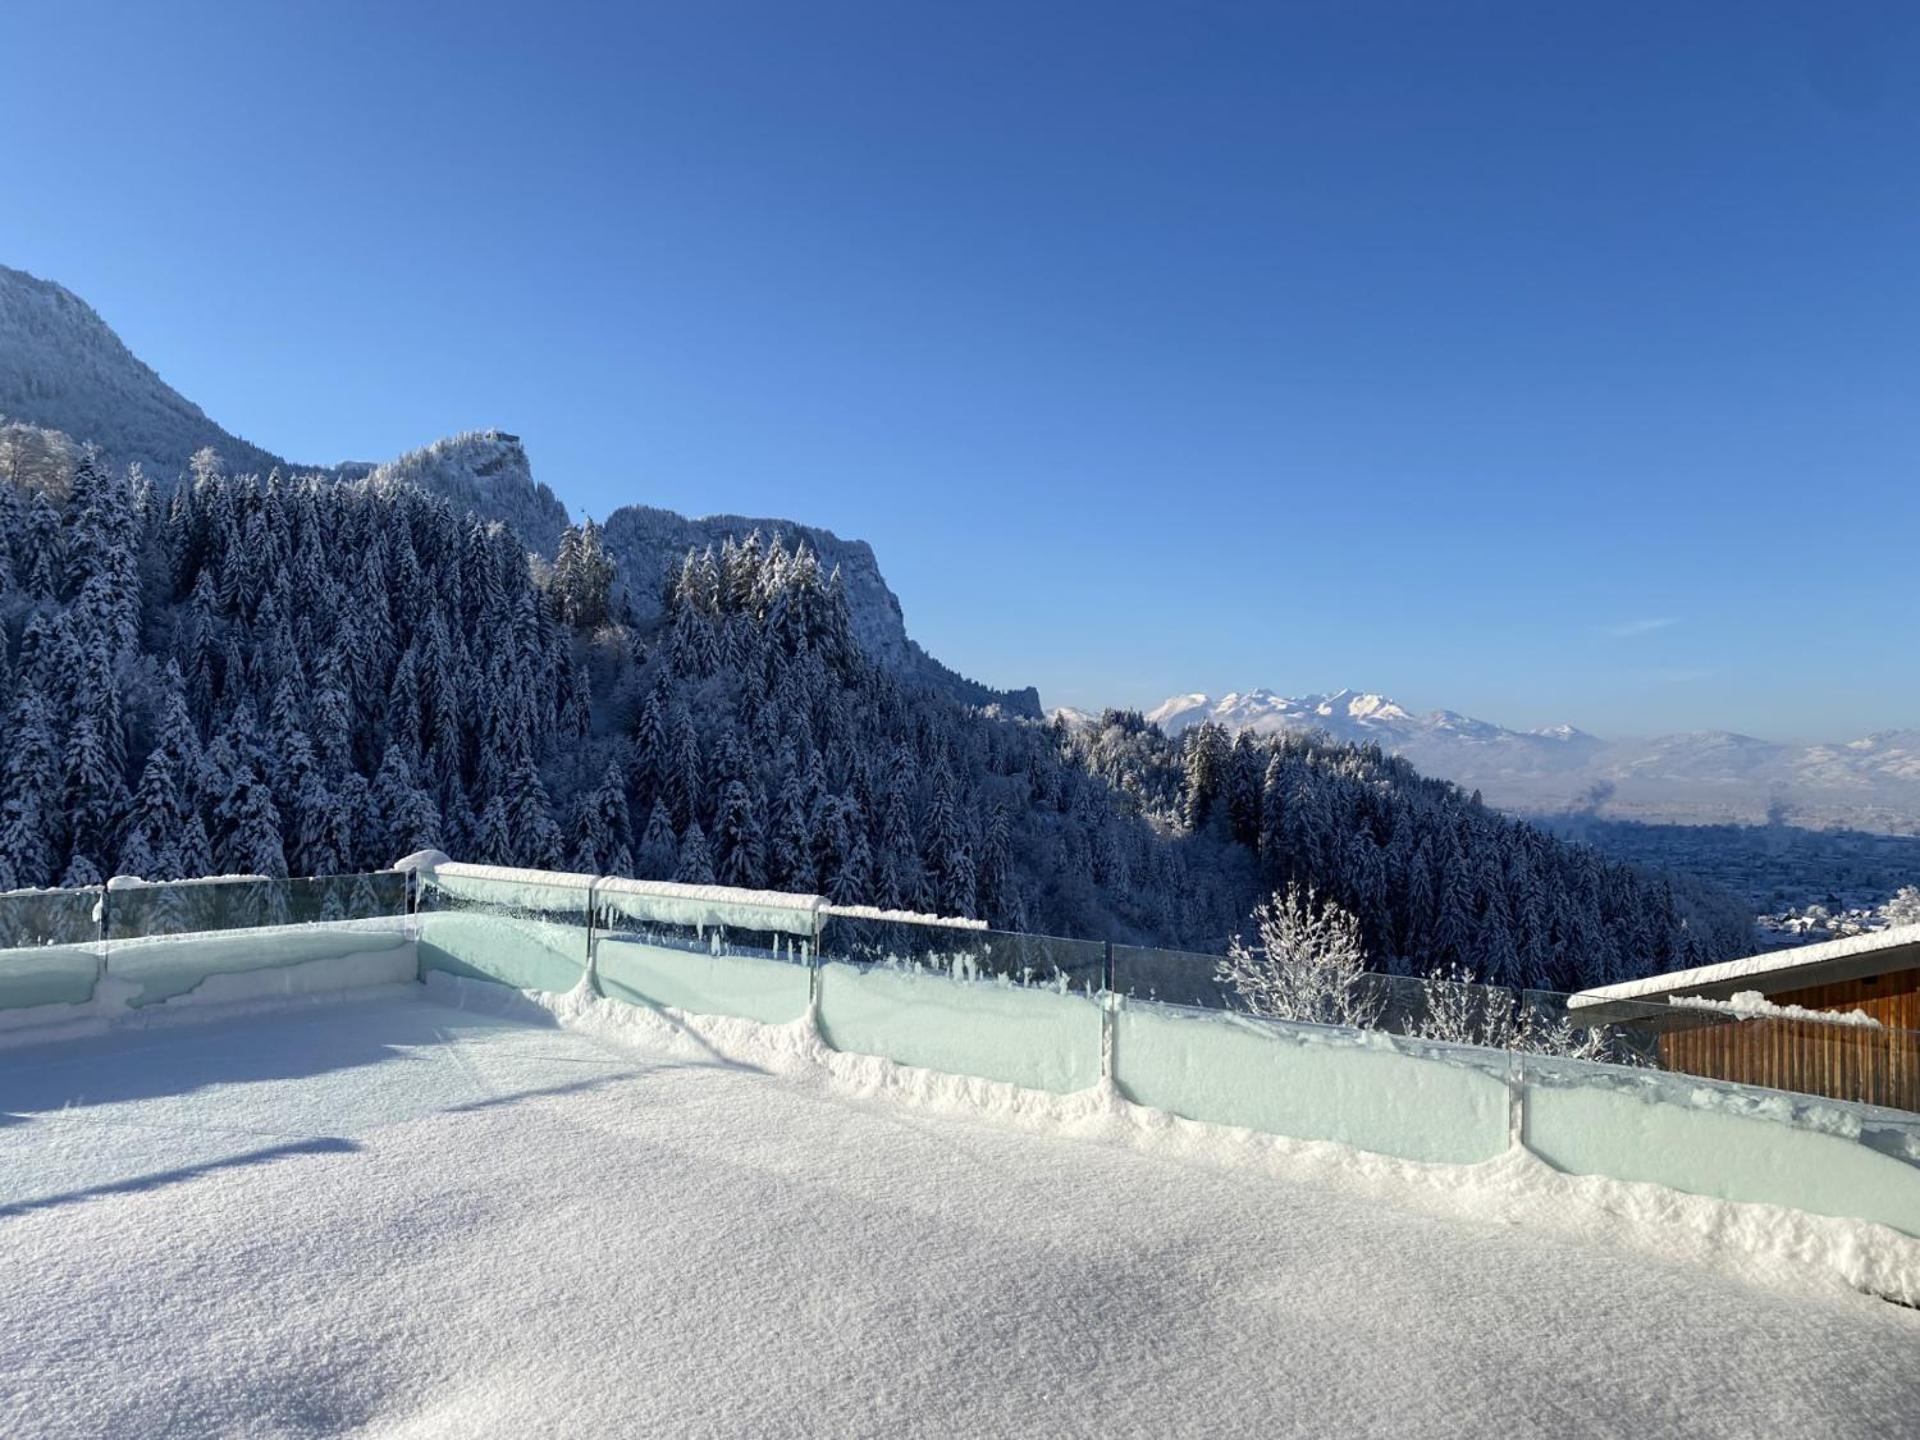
[{"x": 408, "y": 1219}]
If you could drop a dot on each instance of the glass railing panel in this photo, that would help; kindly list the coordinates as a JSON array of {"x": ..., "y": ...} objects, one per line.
[
  {"x": 1172, "y": 977},
  {"x": 1317, "y": 1055},
  {"x": 1392, "y": 1094},
  {"x": 963, "y": 951},
  {"x": 1452, "y": 1011},
  {"x": 1755, "y": 1110},
  {"x": 166, "y": 939},
  {"x": 504, "y": 926},
  {"x": 1024, "y": 1009},
  {"x": 141, "y": 910},
  {"x": 50, "y": 952},
  {"x": 704, "y": 951}
]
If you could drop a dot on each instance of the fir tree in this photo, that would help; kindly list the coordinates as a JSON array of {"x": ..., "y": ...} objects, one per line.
[
  {"x": 253, "y": 845},
  {"x": 737, "y": 838},
  {"x": 695, "y": 865},
  {"x": 659, "y": 854}
]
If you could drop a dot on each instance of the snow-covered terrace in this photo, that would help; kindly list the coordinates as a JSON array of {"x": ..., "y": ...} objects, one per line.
[
  {"x": 449, "y": 1210},
  {"x": 248, "y": 1201}
]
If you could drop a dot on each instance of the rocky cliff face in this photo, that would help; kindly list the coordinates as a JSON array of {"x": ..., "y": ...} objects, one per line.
[
  {"x": 483, "y": 472},
  {"x": 65, "y": 377},
  {"x": 645, "y": 542}
]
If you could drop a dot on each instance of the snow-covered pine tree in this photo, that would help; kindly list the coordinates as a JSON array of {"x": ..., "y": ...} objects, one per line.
[
  {"x": 658, "y": 857},
  {"x": 695, "y": 865},
  {"x": 737, "y": 838}
]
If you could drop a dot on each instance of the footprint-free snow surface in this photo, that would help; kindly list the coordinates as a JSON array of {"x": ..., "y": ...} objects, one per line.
[{"x": 393, "y": 1217}]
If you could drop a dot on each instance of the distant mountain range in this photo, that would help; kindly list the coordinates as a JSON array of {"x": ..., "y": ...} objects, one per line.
[
  {"x": 1708, "y": 777},
  {"x": 66, "y": 377}
]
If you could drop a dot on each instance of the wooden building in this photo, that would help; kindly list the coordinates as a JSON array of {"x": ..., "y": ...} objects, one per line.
[{"x": 1775, "y": 1033}]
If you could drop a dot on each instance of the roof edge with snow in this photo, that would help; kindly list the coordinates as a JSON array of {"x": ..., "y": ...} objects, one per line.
[{"x": 1854, "y": 957}]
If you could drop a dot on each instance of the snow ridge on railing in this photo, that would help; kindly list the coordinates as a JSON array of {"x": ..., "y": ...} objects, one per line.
[
  {"x": 898, "y": 917},
  {"x": 670, "y": 902}
]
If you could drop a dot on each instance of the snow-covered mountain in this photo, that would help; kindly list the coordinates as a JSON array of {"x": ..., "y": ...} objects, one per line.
[
  {"x": 1696, "y": 778},
  {"x": 1357, "y": 716},
  {"x": 62, "y": 368},
  {"x": 66, "y": 377},
  {"x": 1071, "y": 716}
]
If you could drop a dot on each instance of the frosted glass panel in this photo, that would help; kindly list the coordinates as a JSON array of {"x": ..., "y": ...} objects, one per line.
[
  {"x": 167, "y": 940},
  {"x": 1017, "y": 1008},
  {"x": 713, "y": 959},
  {"x": 1736, "y": 1142},
  {"x": 520, "y": 932},
  {"x": 1414, "y": 1099},
  {"x": 49, "y": 947},
  {"x": 701, "y": 982}
]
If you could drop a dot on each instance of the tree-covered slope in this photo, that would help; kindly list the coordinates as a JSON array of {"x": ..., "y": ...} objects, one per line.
[
  {"x": 1435, "y": 878},
  {"x": 314, "y": 675}
]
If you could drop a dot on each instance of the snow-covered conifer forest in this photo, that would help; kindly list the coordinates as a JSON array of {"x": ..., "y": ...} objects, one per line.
[{"x": 314, "y": 675}]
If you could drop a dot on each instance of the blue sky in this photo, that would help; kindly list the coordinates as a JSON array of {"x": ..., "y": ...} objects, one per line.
[{"x": 1546, "y": 362}]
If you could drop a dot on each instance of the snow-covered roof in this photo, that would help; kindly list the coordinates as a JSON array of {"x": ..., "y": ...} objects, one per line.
[{"x": 1878, "y": 952}]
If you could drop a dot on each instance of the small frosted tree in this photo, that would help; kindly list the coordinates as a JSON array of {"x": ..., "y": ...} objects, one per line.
[
  {"x": 1903, "y": 908},
  {"x": 1309, "y": 964},
  {"x": 1458, "y": 1009}
]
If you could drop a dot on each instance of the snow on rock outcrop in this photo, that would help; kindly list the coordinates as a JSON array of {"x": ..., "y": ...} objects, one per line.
[
  {"x": 486, "y": 473},
  {"x": 645, "y": 541}
]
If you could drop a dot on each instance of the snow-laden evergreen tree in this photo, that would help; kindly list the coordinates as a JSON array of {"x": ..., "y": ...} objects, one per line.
[
  {"x": 30, "y": 809},
  {"x": 409, "y": 819},
  {"x": 658, "y": 857},
  {"x": 582, "y": 585},
  {"x": 695, "y": 865},
  {"x": 737, "y": 839},
  {"x": 253, "y": 844}
]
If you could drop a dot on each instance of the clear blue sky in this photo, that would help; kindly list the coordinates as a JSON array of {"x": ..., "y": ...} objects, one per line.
[{"x": 1543, "y": 361}]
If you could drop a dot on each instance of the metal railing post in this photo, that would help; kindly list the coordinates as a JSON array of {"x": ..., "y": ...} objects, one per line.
[
  {"x": 813, "y": 967},
  {"x": 1516, "y": 1099},
  {"x": 1108, "y": 999},
  {"x": 592, "y": 976},
  {"x": 100, "y": 970}
]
